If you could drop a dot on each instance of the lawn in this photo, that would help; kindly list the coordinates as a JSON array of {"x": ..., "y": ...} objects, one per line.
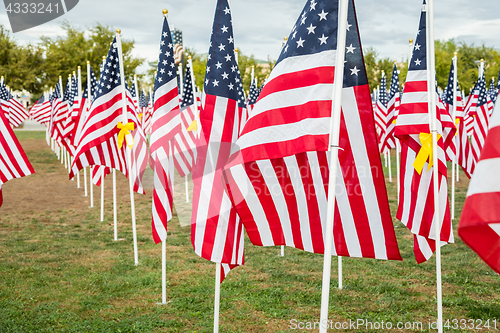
[{"x": 61, "y": 271}]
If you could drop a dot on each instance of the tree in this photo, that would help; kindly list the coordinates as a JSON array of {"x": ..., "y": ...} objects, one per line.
[{"x": 63, "y": 54}]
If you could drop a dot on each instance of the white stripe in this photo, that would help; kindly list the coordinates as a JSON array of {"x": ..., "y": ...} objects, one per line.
[
  {"x": 416, "y": 76},
  {"x": 486, "y": 177}
]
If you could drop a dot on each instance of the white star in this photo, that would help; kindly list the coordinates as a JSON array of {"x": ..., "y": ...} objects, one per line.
[
  {"x": 162, "y": 43},
  {"x": 222, "y": 47},
  {"x": 300, "y": 43},
  {"x": 162, "y": 71},
  {"x": 230, "y": 39},
  {"x": 311, "y": 29},
  {"x": 165, "y": 34},
  {"x": 348, "y": 26},
  {"x": 172, "y": 65},
  {"x": 230, "y": 86},
  {"x": 106, "y": 70},
  {"x": 233, "y": 68},
  {"x": 164, "y": 62},
  {"x": 167, "y": 54},
  {"x": 224, "y": 29},
  {"x": 322, "y": 15},
  {"x": 355, "y": 71},
  {"x": 225, "y": 76},
  {"x": 227, "y": 11},
  {"x": 108, "y": 86},
  {"x": 323, "y": 39},
  {"x": 209, "y": 56},
  {"x": 417, "y": 47},
  {"x": 215, "y": 83},
  {"x": 218, "y": 65},
  {"x": 286, "y": 48},
  {"x": 303, "y": 20},
  {"x": 228, "y": 57},
  {"x": 417, "y": 62},
  {"x": 350, "y": 49},
  {"x": 208, "y": 69},
  {"x": 313, "y": 5},
  {"x": 206, "y": 81},
  {"x": 170, "y": 73},
  {"x": 159, "y": 79}
]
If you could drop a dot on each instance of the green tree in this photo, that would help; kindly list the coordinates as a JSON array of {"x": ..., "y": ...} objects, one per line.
[{"x": 65, "y": 53}]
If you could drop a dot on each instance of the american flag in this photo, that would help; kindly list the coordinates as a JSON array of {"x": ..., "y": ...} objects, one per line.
[
  {"x": 17, "y": 112},
  {"x": 279, "y": 181},
  {"x": 185, "y": 141},
  {"x": 470, "y": 109},
  {"x": 216, "y": 231},
  {"x": 481, "y": 114},
  {"x": 72, "y": 115},
  {"x": 416, "y": 201},
  {"x": 165, "y": 124},
  {"x": 381, "y": 111},
  {"x": 178, "y": 45},
  {"x": 253, "y": 95},
  {"x": 40, "y": 111},
  {"x": 479, "y": 225},
  {"x": 97, "y": 174},
  {"x": 388, "y": 140},
  {"x": 493, "y": 92},
  {"x": 13, "y": 160},
  {"x": 84, "y": 106},
  {"x": 58, "y": 115},
  {"x": 99, "y": 144},
  {"x": 463, "y": 146}
]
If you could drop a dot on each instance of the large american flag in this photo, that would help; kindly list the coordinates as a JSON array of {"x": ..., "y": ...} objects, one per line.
[
  {"x": 13, "y": 160},
  {"x": 481, "y": 114},
  {"x": 279, "y": 181},
  {"x": 463, "y": 146},
  {"x": 98, "y": 144},
  {"x": 216, "y": 231},
  {"x": 416, "y": 201},
  {"x": 479, "y": 225},
  {"x": 185, "y": 141},
  {"x": 165, "y": 124},
  {"x": 388, "y": 141}
]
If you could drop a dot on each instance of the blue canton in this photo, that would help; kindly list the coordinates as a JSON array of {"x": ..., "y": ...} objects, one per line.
[
  {"x": 110, "y": 77},
  {"x": 187, "y": 91},
  {"x": 382, "y": 96},
  {"x": 222, "y": 76},
  {"x": 419, "y": 57},
  {"x": 166, "y": 70},
  {"x": 394, "y": 83}
]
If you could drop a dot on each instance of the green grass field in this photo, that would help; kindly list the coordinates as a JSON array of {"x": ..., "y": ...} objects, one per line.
[{"x": 60, "y": 271}]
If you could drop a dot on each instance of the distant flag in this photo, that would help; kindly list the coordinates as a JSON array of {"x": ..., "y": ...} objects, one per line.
[
  {"x": 463, "y": 149},
  {"x": 416, "y": 201},
  {"x": 17, "y": 112},
  {"x": 388, "y": 140},
  {"x": 278, "y": 182},
  {"x": 185, "y": 141},
  {"x": 13, "y": 160},
  {"x": 253, "y": 95},
  {"x": 481, "y": 114},
  {"x": 84, "y": 107},
  {"x": 165, "y": 124},
  {"x": 102, "y": 139},
  {"x": 178, "y": 47},
  {"x": 216, "y": 231},
  {"x": 40, "y": 111},
  {"x": 381, "y": 111},
  {"x": 479, "y": 225}
]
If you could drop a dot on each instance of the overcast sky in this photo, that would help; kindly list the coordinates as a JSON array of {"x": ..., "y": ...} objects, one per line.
[{"x": 260, "y": 25}]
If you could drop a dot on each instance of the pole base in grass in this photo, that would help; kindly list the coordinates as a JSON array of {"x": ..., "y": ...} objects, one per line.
[
  {"x": 119, "y": 239},
  {"x": 164, "y": 303}
]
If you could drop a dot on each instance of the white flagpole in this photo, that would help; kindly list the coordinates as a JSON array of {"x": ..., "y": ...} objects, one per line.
[
  {"x": 91, "y": 169},
  {"x": 81, "y": 106},
  {"x": 164, "y": 272},
  {"x": 128, "y": 149},
  {"x": 454, "y": 115},
  {"x": 334, "y": 153},
  {"x": 102, "y": 194},
  {"x": 71, "y": 89},
  {"x": 397, "y": 154},
  {"x": 217, "y": 296},
  {"x": 389, "y": 163},
  {"x": 410, "y": 51},
  {"x": 115, "y": 222},
  {"x": 431, "y": 87},
  {"x": 89, "y": 96}
]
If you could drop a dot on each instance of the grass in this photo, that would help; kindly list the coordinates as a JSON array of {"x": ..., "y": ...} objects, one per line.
[{"x": 60, "y": 271}]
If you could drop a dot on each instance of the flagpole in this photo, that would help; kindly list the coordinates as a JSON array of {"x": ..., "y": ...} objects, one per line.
[
  {"x": 128, "y": 149},
  {"x": 81, "y": 106},
  {"x": 164, "y": 272},
  {"x": 410, "y": 51},
  {"x": 454, "y": 115},
  {"x": 102, "y": 194},
  {"x": 217, "y": 296},
  {"x": 115, "y": 222},
  {"x": 62, "y": 152},
  {"x": 431, "y": 88},
  {"x": 334, "y": 153},
  {"x": 91, "y": 169}
]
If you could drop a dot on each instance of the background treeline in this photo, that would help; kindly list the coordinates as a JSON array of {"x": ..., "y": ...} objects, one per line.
[{"x": 37, "y": 67}]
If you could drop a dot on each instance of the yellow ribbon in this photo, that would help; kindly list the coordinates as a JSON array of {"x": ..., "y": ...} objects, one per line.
[
  {"x": 394, "y": 121},
  {"x": 425, "y": 152},
  {"x": 125, "y": 134},
  {"x": 193, "y": 126},
  {"x": 457, "y": 122},
  {"x": 140, "y": 116}
]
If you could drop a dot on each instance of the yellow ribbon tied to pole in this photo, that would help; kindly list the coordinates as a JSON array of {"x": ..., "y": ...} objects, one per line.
[
  {"x": 125, "y": 134},
  {"x": 425, "y": 152},
  {"x": 193, "y": 126}
]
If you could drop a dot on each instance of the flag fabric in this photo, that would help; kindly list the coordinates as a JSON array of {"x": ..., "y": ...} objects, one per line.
[
  {"x": 165, "y": 124},
  {"x": 184, "y": 142},
  {"x": 13, "y": 160},
  {"x": 40, "y": 111},
  {"x": 492, "y": 91},
  {"x": 253, "y": 95},
  {"x": 470, "y": 109},
  {"x": 481, "y": 114},
  {"x": 216, "y": 230},
  {"x": 101, "y": 141},
  {"x": 388, "y": 141},
  {"x": 463, "y": 147},
  {"x": 58, "y": 115},
  {"x": 416, "y": 201},
  {"x": 97, "y": 174},
  {"x": 381, "y": 111},
  {"x": 17, "y": 112},
  {"x": 479, "y": 225},
  {"x": 279, "y": 180},
  {"x": 84, "y": 107}
]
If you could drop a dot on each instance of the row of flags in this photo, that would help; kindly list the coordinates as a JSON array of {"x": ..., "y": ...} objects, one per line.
[{"x": 260, "y": 163}]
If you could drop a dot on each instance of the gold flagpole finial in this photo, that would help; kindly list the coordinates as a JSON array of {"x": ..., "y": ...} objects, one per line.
[
  {"x": 164, "y": 11},
  {"x": 60, "y": 76},
  {"x": 103, "y": 57},
  {"x": 119, "y": 31},
  {"x": 411, "y": 41},
  {"x": 236, "y": 50},
  {"x": 78, "y": 67},
  {"x": 180, "y": 64},
  {"x": 455, "y": 53},
  {"x": 395, "y": 61},
  {"x": 285, "y": 39},
  {"x": 189, "y": 57},
  {"x": 88, "y": 62},
  {"x": 135, "y": 75},
  {"x": 482, "y": 60}
]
